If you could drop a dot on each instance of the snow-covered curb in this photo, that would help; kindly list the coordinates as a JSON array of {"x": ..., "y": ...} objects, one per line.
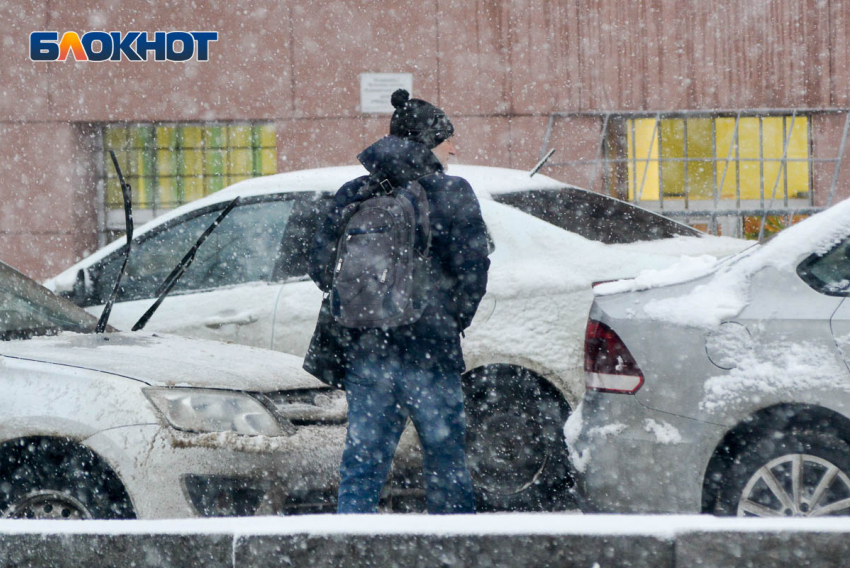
[{"x": 661, "y": 526}]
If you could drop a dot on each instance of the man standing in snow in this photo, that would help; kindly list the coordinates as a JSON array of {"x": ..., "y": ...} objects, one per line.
[{"x": 412, "y": 370}]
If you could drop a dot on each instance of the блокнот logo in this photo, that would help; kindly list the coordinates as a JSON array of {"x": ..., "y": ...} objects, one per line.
[{"x": 113, "y": 46}]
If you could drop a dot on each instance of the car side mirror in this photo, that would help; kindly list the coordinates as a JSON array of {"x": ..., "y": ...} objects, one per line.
[
  {"x": 491, "y": 245},
  {"x": 80, "y": 293}
]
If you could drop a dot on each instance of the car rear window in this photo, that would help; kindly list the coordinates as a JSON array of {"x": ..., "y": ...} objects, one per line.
[{"x": 594, "y": 216}]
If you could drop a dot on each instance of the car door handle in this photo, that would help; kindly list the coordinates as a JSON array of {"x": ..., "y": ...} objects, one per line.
[{"x": 216, "y": 322}]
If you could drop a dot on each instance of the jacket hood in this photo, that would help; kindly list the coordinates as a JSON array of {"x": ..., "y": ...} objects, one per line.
[{"x": 399, "y": 160}]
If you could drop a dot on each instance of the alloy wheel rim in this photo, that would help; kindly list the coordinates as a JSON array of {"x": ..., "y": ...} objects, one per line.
[
  {"x": 48, "y": 504},
  {"x": 796, "y": 485}
]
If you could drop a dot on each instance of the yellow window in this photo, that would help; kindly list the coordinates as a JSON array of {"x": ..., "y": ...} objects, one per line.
[
  {"x": 193, "y": 188},
  {"x": 267, "y": 136},
  {"x": 115, "y": 137},
  {"x": 239, "y": 136},
  {"x": 191, "y": 137},
  {"x": 239, "y": 161},
  {"x": 169, "y": 196},
  {"x": 114, "y": 199},
  {"x": 701, "y": 156},
  {"x": 268, "y": 161},
  {"x": 642, "y": 139},
  {"x": 214, "y": 137}
]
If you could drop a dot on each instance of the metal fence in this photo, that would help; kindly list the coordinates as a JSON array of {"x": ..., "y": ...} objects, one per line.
[{"x": 717, "y": 214}]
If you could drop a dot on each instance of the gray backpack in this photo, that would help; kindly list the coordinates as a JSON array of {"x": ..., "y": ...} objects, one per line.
[{"x": 382, "y": 271}]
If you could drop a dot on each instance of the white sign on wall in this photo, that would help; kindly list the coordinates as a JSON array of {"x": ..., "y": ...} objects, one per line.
[{"x": 377, "y": 88}]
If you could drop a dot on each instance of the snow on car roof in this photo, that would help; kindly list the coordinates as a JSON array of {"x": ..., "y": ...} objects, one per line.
[
  {"x": 544, "y": 258},
  {"x": 484, "y": 180},
  {"x": 725, "y": 294}
]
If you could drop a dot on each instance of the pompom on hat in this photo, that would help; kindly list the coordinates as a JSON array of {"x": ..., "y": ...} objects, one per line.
[{"x": 418, "y": 120}]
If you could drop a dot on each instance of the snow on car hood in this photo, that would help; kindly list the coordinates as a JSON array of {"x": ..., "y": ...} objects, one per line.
[{"x": 169, "y": 360}]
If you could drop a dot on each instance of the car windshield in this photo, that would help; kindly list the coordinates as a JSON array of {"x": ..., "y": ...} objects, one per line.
[
  {"x": 594, "y": 216},
  {"x": 28, "y": 309}
]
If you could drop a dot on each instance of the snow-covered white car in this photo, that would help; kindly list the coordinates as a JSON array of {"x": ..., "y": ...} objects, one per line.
[
  {"x": 551, "y": 241},
  {"x": 141, "y": 424},
  {"x": 723, "y": 387}
]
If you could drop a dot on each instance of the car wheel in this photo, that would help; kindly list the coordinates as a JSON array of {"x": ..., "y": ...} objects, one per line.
[
  {"x": 515, "y": 449},
  {"x": 45, "y": 478},
  {"x": 799, "y": 473}
]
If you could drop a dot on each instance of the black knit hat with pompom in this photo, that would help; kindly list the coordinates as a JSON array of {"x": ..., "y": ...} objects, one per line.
[{"x": 418, "y": 120}]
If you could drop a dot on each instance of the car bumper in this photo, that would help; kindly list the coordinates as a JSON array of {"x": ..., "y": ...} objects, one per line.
[
  {"x": 632, "y": 459},
  {"x": 170, "y": 474}
]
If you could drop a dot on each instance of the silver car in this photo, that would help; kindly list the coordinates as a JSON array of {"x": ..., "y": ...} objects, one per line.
[
  {"x": 723, "y": 387},
  {"x": 147, "y": 425}
]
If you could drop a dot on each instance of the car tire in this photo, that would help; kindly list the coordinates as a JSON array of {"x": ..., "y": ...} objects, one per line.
[
  {"x": 759, "y": 481},
  {"x": 515, "y": 448},
  {"x": 49, "y": 478}
]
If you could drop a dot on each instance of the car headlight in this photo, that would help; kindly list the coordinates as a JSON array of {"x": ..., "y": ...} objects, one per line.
[
  {"x": 200, "y": 410},
  {"x": 309, "y": 406}
]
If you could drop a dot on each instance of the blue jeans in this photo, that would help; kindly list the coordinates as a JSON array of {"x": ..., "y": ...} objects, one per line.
[{"x": 381, "y": 395}]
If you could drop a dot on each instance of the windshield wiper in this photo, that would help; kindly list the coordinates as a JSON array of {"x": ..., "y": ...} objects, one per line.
[
  {"x": 128, "y": 221},
  {"x": 182, "y": 267}
]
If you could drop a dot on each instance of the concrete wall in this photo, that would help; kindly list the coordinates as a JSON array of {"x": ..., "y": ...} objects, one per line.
[
  {"x": 498, "y": 67},
  {"x": 563, "y": 541}
]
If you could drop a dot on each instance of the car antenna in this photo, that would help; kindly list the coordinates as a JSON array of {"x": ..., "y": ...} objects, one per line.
[
  {"x": 540, "y": 164},
  {"x": 126, "y": 192},
  {"x": 182, "y": 267}
]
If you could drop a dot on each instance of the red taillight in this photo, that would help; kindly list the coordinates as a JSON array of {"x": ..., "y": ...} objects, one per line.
[{"x": 608, "y": 365}]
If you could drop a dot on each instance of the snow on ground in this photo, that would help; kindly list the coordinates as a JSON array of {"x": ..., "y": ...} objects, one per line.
[{"x": 662, "y": 526}]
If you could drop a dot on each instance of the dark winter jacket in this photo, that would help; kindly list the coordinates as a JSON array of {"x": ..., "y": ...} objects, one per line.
[{"x": 459, "y": 260}]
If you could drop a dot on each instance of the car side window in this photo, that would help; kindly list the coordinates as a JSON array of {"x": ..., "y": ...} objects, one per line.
[
  {"x": 828, "y": 273},
  {"x": 308, "y": 213},
  {"x": 244, "y": 248}
]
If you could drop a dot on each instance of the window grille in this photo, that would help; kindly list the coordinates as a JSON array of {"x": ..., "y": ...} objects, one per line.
[{"x": 739, "y": 173}]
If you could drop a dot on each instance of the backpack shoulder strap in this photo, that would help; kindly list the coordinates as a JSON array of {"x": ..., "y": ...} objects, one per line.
[
  {"x": 369, "y": 189},
  {"x": 419, "y": 199}
]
